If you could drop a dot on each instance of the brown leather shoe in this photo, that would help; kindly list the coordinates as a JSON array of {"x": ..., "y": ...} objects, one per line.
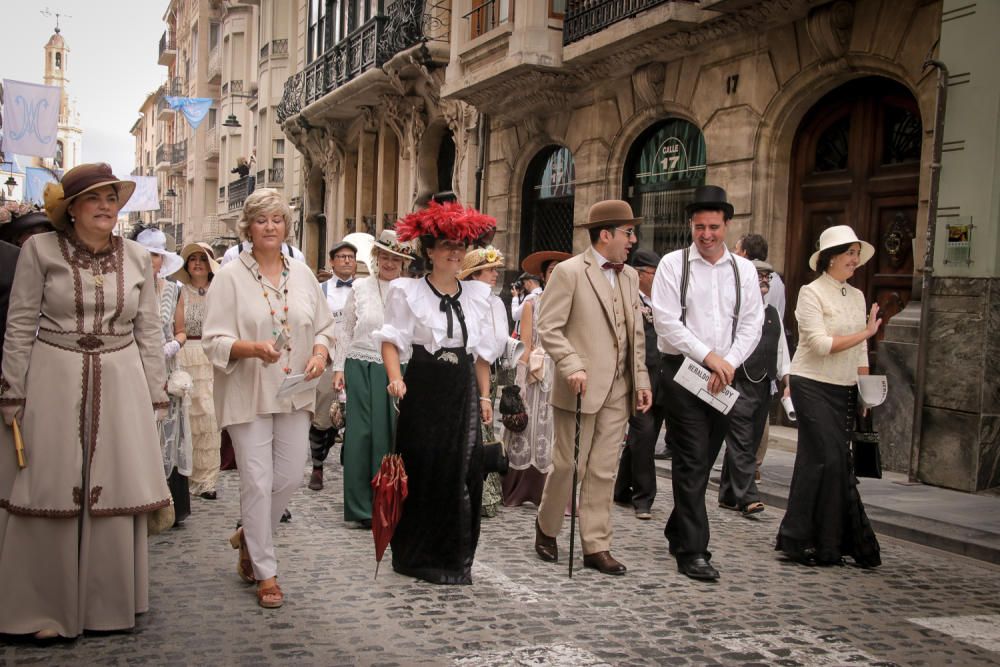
[
  {"x": 604, "y": 563},
  {"x": 545, "y": 546},
  {"x": 316, "y": 480}
]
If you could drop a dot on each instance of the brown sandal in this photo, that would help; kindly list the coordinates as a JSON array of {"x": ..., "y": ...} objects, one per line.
[
  {"x": 270, "y": 597},
  {"x": 244, "y": 566}
]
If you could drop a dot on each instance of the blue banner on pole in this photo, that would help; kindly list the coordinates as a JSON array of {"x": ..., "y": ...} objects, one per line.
[
  {"x": 35, "y": 179},
  {"x": 194, "y": 108}
]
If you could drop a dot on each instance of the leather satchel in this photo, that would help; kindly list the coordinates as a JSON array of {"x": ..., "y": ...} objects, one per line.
[{"x": 865, "y": 450}]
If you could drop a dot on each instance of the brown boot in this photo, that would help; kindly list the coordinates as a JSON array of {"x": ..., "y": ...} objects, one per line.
[
  {"x": 316, "y": 479},
  {"x": 545, "y": 546}
]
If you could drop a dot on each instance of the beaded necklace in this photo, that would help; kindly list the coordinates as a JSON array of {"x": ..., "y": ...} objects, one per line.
[{"x": 279, "y": 320}]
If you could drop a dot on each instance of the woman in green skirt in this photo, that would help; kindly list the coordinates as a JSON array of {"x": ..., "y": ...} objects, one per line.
[{"x": 358, "y": 367}]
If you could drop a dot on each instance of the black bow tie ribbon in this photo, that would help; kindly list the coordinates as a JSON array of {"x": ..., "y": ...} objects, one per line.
[
  {"x": 452, "y": 309},
  {"x": 345, "y": 283}
]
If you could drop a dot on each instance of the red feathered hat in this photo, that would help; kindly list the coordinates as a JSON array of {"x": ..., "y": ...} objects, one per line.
[{"x": 450, "y": 221}]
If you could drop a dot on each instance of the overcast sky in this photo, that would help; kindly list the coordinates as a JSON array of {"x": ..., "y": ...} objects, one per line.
[{"x": 113, "y": 46}]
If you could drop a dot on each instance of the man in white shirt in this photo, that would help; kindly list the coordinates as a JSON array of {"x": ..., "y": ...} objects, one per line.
[
  {"x": 234, "y": 252},
  {"x": 707, "y": 307},
  {"x": 531, "y": 289},
  {"x": 322, "y": 433}
]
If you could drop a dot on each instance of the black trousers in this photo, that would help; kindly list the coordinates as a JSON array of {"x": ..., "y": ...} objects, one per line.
[
  {"x": 747, "y": 419},
  {"x": 696, "y": 431},
  {"x": 636, "y": 481}
]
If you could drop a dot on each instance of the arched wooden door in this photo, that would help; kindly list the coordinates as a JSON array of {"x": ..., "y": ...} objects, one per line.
[{"x": 856, "y": 161}]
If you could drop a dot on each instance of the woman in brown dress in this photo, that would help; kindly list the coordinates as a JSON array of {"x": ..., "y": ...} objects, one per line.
[{"x": 83, "y": 341}]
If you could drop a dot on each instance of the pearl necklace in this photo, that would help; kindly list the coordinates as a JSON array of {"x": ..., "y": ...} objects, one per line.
[{"x": 279, "y": 320}]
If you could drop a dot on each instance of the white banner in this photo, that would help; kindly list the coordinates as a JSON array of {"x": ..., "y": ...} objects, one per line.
[
  {"x": 145, "y": 197},
  {"x": 30, "y": 118}
]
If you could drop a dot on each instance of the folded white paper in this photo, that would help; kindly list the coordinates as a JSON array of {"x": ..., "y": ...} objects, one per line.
[
  {"x": 872, "y": 390},
  {"x": 786, "y": 403},
  {"x": 694, "y": 377},
  {"x": 293, "y": 384}
]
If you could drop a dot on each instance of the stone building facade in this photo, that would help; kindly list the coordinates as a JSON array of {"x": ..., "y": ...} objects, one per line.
[{"x": 810, "y": 113}]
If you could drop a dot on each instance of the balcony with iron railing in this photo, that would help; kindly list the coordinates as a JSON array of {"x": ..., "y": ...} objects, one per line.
[
  {"x": 232, "y": 86},
  {"x": 277, "y": 48},
  {"x": 166, "y": 211},
  {"x": 168, "y": 49},
  {"x": 276, "y": 176},
  {"x": 238, "y": 192},
  {"x": 171, "y": 156},
  {"x": 371, "y": 45},
  {"x": 587, "y": 17}
]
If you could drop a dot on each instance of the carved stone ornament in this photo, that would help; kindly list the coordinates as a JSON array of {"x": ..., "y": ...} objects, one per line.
[
  {"x": 829, "y": 28},
  {"x": 648, "y": 83}
]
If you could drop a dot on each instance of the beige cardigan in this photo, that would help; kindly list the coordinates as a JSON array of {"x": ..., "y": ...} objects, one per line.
[
  {"x": 235, "y": 309},
  {"x": 828, "y": 308}
]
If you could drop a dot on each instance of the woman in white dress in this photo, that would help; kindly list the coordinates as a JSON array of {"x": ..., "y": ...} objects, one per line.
[
  {"x": 195, "y": 277},
  {"x": 530, "y": 451},
  {"x": 445, "y": 326}
]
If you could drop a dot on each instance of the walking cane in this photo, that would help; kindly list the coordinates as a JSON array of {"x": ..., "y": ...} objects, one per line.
[{"x": 572, "y": 499}]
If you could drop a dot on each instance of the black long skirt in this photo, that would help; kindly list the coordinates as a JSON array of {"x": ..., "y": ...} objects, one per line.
[
  {"x": 825, "y": 519},
  {"x": 439, "y": 439}
]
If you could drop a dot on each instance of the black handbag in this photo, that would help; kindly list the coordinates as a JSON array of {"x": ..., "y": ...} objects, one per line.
[
  {"x": 865, "y": 450},
  {"x": 495, "y": 458},
  {"x": 513, "y": 413}
]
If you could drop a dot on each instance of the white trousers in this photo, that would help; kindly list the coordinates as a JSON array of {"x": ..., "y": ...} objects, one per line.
[{"x": 271, "y": 454}]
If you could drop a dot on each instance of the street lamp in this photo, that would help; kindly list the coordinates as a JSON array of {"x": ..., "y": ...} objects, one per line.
[{"x": 231, "y": 120}]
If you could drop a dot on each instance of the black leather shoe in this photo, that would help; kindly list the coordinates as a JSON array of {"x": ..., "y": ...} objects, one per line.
[
  {"x": 697, "y": 568},
  {"x": 604, "y": 563},
  {"x": 545, "y": 546}
]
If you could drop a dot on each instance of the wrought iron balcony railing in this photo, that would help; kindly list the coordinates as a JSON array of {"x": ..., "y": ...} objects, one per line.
[
  {"x": 407, "y": 23},
  {"x": 586, "y": 17},
  {"x": 238, "y": 192},
  {"x": 276, "y": 175},
  {"x": 167, "y": 43}
]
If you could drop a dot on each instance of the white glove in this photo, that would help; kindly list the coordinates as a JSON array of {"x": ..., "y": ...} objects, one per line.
[{"x": 170, "y": 349}]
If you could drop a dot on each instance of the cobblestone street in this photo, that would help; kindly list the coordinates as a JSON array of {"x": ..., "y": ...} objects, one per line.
[{"x": 923, "y": 607}]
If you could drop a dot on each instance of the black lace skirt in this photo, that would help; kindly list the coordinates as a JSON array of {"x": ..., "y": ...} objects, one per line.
[
  {"x": 825, "y": 519},
  {"x": 439, "y": 439}
]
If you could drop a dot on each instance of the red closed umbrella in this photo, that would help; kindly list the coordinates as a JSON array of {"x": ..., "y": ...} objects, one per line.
[{"x": 389, "y": 490}]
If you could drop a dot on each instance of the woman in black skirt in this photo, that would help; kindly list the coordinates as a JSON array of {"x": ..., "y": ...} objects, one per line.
[
  {"x": 444, "y": 327},
  {"x": 825, "y": 519}
]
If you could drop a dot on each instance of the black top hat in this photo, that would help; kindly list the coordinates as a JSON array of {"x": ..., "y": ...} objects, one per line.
[{"x": 710, "y": 198}]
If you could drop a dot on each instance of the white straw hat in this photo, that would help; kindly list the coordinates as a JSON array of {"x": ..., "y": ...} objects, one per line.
[
  {"x": 155, "y": 241},
  {"x": 841, "y": 235}
]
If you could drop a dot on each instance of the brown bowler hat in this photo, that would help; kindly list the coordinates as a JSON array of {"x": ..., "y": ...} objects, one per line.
[
  {"x": 610, "y": 212},
  {"x": 75, "y": 182}
]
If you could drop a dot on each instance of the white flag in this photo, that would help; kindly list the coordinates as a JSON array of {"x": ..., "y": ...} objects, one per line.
[
  {"x": 30, "y": 118},
  {"x": 145, "y": 196}
]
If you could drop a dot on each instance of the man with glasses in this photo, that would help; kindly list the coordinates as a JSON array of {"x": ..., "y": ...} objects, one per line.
[
  {"x": 706, "y": 307},
  {"x": 636, "y": 482},
  {"x": 322, "y": 433},
  {"x": 768, "y": 363},
  {"x": 590, "y": 326}
]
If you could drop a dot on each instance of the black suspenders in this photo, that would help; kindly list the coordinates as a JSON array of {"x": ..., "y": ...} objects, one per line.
[{"x": 686, "y": 278}]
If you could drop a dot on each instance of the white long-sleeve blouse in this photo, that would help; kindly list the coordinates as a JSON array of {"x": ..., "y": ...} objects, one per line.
[{"x": 413, "y": 316}]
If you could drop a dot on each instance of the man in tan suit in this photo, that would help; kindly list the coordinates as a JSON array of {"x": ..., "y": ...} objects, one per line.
[{"x": 591, "y": 327}]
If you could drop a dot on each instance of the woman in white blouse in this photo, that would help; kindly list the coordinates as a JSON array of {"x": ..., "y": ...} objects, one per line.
[
  {"x": 445, "y": 325},
  {"x": 825, "y": 519},
  {"x": 358, "y": 366},
  {"x": 266, "y": 326},
  {"x": 484, "y": 264}
]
